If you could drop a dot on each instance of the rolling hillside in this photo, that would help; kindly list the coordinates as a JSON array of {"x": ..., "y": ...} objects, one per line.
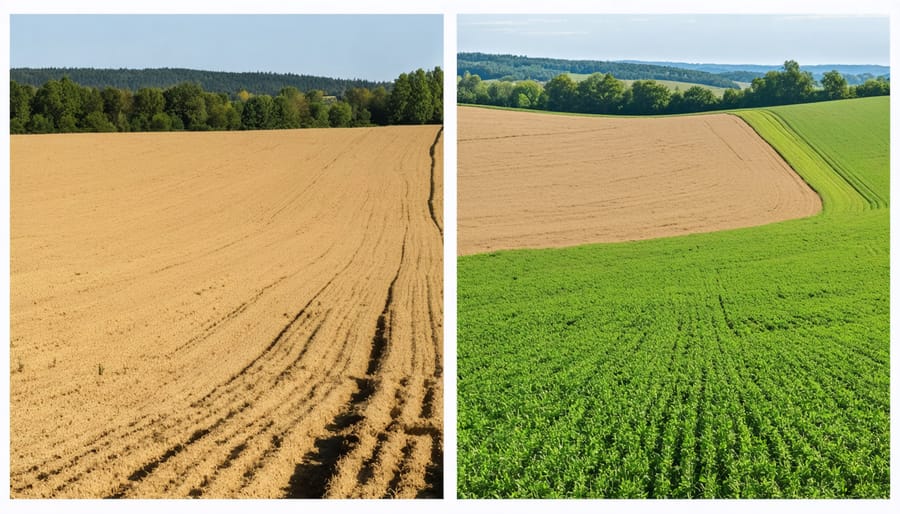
[{"x": 750, "y": 363}]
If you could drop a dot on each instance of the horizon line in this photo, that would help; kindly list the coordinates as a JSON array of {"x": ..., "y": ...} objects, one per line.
[{"x": 684, "y": 61}]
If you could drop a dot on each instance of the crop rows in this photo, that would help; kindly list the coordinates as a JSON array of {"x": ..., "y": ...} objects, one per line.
[{"x": 747, "y": 363}]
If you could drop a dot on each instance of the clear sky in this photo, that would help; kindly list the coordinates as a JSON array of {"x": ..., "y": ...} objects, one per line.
[
  {"x": 723, "y": 39},
  {"x": 372, "y": 47}
]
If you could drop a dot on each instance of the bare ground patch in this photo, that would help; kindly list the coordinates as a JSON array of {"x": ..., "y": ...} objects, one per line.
[
  {"x": 534, "y": 180},
  {"x": 223, "y": 315}
]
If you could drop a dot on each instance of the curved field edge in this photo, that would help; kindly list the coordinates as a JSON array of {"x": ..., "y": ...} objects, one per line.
[
  {"x": 836, "y": 192},
  {"x": 593, "y": 180},
  {"x": 744, "y": 363},
  {"x": 816, "y": 163},
  {"x": 843, "y": 186},
  {"x": 827, "y": 126}
]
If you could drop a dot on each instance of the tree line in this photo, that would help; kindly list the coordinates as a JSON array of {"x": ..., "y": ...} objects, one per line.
[
  {"x": 267, "y": 83},
  {"x": 515, "y": 67},
  {"x": 853, "y": 79},
  {"x": 66, "y": 106},
  {"x": 605, "y": 94}
]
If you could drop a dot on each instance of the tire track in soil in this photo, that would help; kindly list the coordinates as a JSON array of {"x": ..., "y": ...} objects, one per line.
[
  {"x": 431, "y": 151},
  {"x": 138, "y": 475},
  {"x": 368, "y": 438},
  {"x": 269, "y": 350},
  {"x": 275, "y": 437},
  {"x": 310, "y": 479},
  {"x": 188, "y": 436}
]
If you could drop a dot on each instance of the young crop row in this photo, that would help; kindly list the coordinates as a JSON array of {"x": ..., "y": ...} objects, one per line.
[
  {"x": 672, "y": 383},
  {"x": 849, "y": 173},
  {"x": 747, "y": 363},
  {"x": 852, "y": 137}
]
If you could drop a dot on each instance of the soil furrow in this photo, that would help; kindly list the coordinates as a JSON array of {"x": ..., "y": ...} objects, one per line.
[
  {"x": 431, "y": 151},
  {"x": 706, "y": 173},
  {"x": 198, "y": 323}
]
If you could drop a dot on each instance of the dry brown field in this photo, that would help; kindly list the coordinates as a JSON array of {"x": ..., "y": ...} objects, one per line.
[
  {"x": 221, "y": 315},
  {"x": 536, "y": 180}
]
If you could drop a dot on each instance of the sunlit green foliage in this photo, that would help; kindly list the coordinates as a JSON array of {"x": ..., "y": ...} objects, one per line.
[
  {"x": 744, "y": 363},
  {"x": 65, "y": 106}
]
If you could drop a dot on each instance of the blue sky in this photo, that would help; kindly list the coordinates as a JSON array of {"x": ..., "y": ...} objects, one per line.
[
  {"x": 725, "y": 39},
  {"x": 373, "y": 47}
]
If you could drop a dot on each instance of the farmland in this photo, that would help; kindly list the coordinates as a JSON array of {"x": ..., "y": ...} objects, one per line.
[
  {"x": 743, "y": 363},
  {"x": 673, "y": 85},
  {"x": 530, "y": 180},
  {"x": 227, "y": 315}
]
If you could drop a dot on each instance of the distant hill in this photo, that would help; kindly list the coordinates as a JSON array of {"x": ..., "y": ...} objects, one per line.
[
  {"x": 214, "y": 81},
  {"x": 854, "y": 73},
  {"x": 515, "y": 67}
]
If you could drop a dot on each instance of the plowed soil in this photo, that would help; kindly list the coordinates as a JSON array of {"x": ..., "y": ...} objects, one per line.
[
  {"x": 534, "y": 180},
  {"x": 253, "y": 314}
]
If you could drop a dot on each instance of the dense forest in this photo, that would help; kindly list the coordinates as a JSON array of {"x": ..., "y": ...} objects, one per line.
[
  {"x": 261, "y": 83},
  {"x": 605, "y": 94},
  {"x": 66, "y": 106},
  {"x": 513, "y": 67}
]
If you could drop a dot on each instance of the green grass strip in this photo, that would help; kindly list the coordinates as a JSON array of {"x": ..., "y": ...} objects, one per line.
[{"x": 837, "y": 192}]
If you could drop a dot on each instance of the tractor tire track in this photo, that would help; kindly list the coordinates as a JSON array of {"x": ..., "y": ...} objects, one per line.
[{"x": 260, "y": 334}]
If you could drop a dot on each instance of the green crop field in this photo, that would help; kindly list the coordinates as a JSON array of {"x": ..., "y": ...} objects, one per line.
[{"x": 746, "y": 363}]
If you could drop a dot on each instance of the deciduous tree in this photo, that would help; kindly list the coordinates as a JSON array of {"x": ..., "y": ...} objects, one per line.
[
  {"x": 340, "y": 114},
  {"x": 562, "y": 93},
  {"x": 697, "y": 99},
  {"x": 600, "y": 94},
  {"x": 648, "y": 97},
  {"x": 20, "y": 98},
  {"x": 835, "y": 85}
]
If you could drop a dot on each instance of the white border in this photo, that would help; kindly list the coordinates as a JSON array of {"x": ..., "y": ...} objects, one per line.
[
  {"x": 450, "y": 8},
  {"x": 449, "y": 256}
]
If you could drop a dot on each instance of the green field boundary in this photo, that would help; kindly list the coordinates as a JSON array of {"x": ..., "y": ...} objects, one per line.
[
  {"x": 876, "y": 201},
  {"x": 839, "y": 189},
  {"x": 743, "y": 363}
]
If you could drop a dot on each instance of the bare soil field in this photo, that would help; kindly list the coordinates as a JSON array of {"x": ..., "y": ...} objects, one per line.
[
  {"x": 534, "y": 180},
  {"x": 254, "y": 314}
]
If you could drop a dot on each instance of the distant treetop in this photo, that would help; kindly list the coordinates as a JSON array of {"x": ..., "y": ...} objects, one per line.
[
  {"x": 64, "y": 105},
  {"x": 516, "y": 67},
  {"x": 214, "y": 81}
]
